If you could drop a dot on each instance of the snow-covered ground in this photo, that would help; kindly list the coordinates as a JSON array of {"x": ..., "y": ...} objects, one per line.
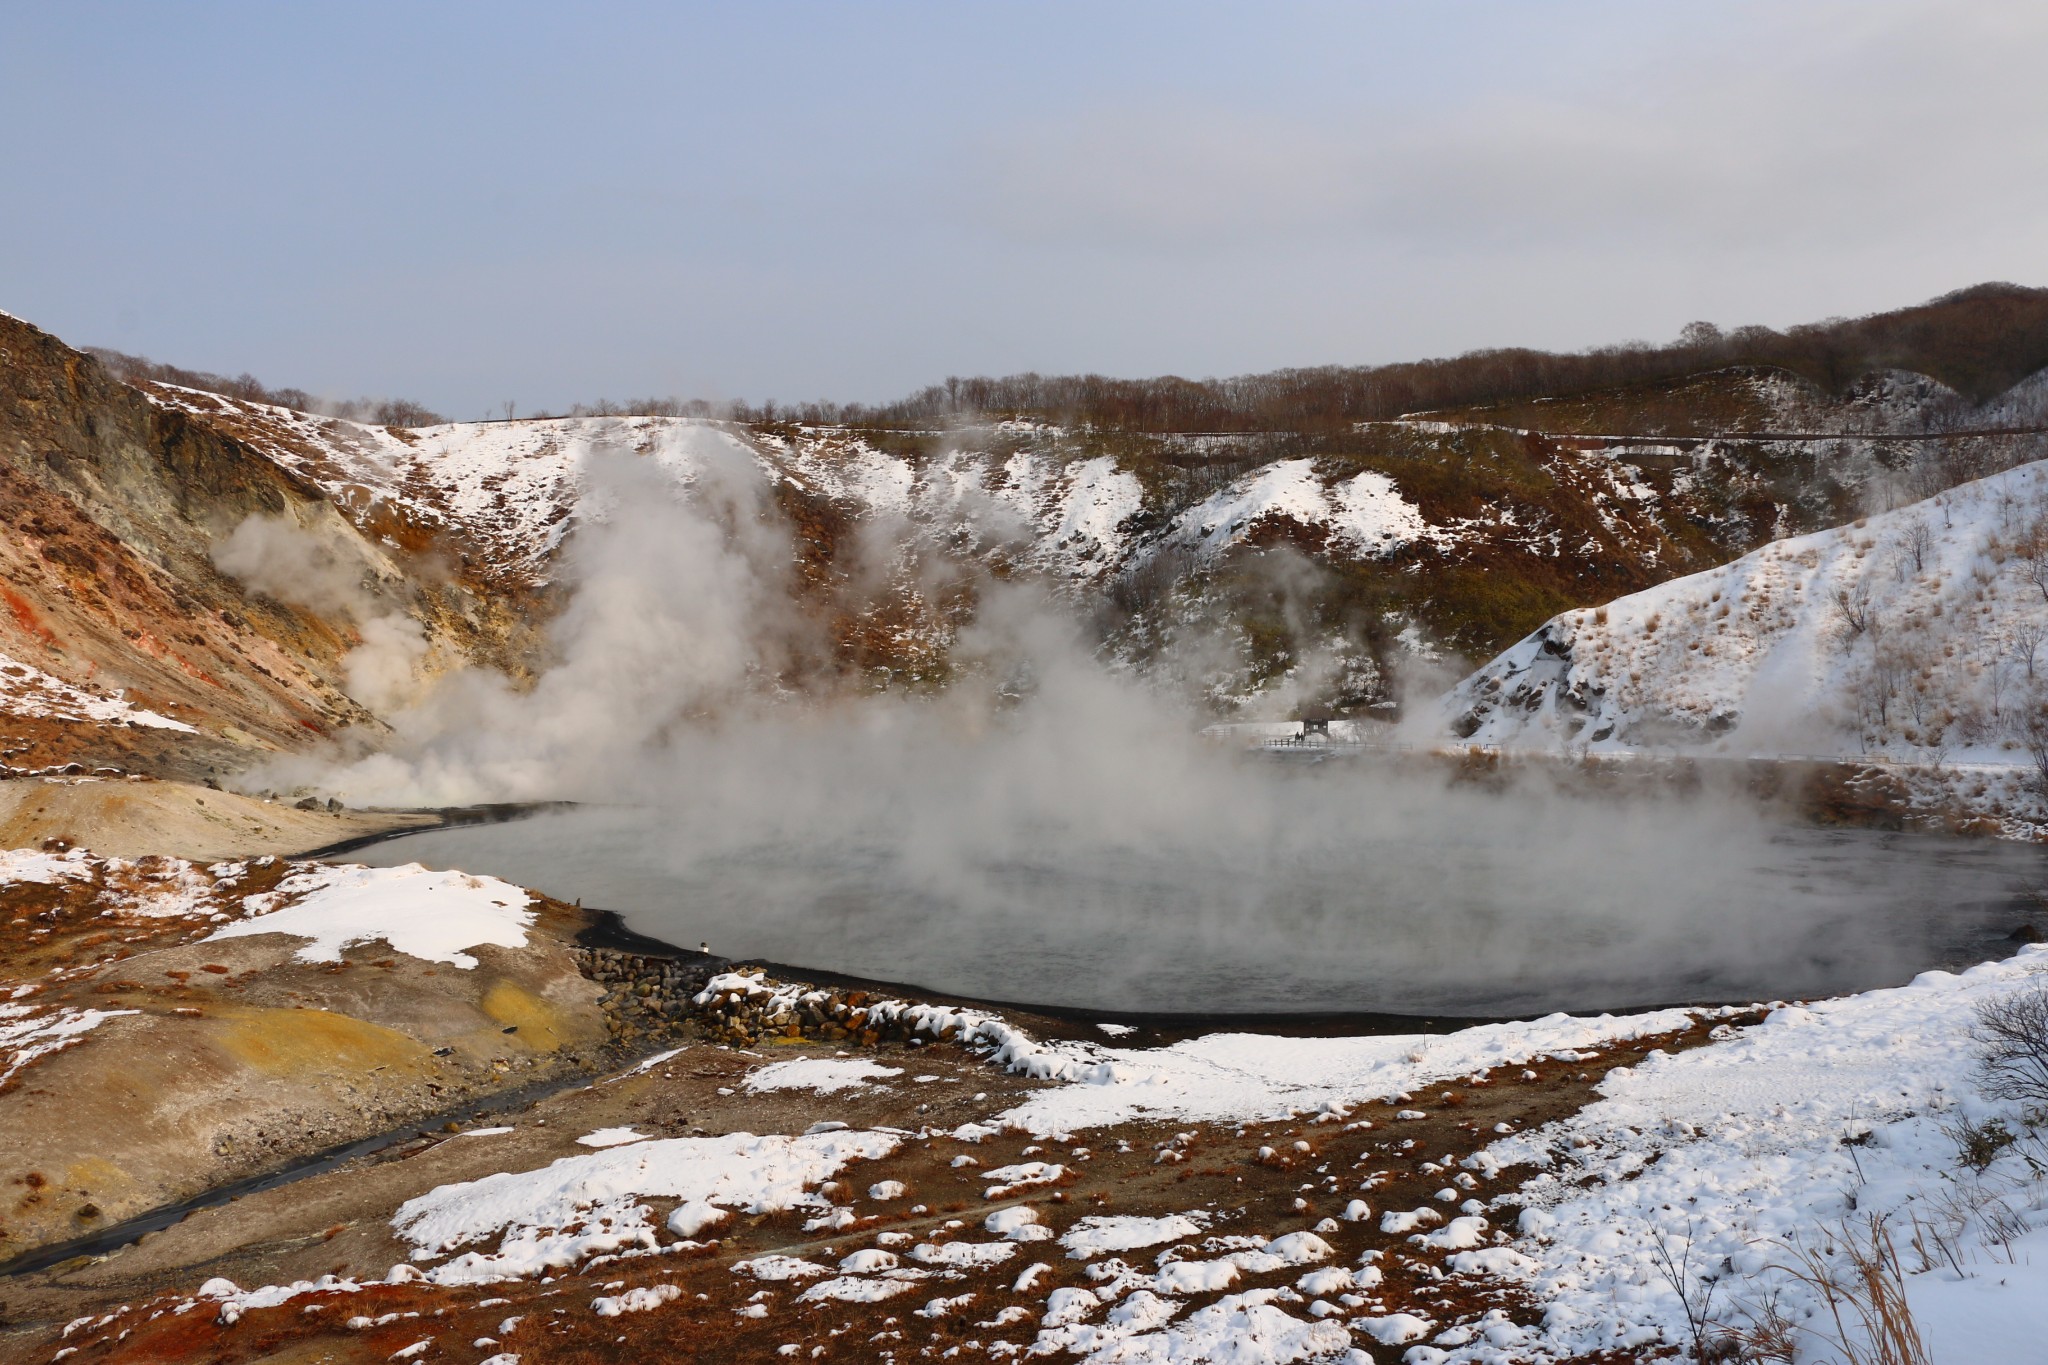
[
  {"x": 1718, "y": 1185},
  {"x": 1245, "y": 1077},
  {"x": 1728, "y": 1161},
  {"x": 1786, "y": 1138},
  {"x": 30, "y": 692},
  {"x": 1915, "y": 634},
  {"x": 150, "y": 888},
  {"x": 429, "y": 915},
  {"x": 587, "y": 1205},
  {"x": 29, "y": 1031}
]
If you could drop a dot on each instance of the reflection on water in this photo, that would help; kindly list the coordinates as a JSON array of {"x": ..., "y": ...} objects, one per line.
[{"x": 1444, "y": 924}]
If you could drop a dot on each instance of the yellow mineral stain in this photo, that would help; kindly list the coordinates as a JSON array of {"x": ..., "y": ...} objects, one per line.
[
  {"x": 541, "y": 1025},
  {"x": 295, "y": 1042}
]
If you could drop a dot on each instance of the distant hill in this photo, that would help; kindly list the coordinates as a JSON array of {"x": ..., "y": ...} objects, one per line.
[{"x": 1978, "y": 342}]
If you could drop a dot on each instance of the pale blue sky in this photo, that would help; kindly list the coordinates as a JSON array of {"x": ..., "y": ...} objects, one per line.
[{"x": 548, "y": 203}]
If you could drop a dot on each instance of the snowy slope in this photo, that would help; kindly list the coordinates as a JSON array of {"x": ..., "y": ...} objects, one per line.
[
  {"x": 27, "y": 691},
  {"x": 1914, "y": 630},
  {"x": 1077, "y": 517},
  {"x": 509, "y": 489},
  {"x": 1454, "y": 531},
  {"x": 1062, "y": 516},
  {"x": 1364, "y": 514},
  {"x": 512, "y": 488},
  {"x": 1781, "y": 1139}
]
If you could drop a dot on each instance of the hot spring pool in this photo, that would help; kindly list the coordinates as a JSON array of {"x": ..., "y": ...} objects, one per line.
[{"x": 1455, "y": 924}]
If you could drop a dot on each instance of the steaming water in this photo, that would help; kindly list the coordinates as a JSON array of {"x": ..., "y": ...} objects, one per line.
[
  {"x": 1445, "y": 925},
  {"x": 1048, "y": 830}
]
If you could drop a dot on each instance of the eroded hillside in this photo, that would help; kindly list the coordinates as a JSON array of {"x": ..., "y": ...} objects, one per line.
[{"x": 124, "y": 641}]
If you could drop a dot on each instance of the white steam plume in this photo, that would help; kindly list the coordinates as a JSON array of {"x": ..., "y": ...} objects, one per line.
[
  {"x": 1040, "y": 810},
  {"x": 279, "y": 558}
]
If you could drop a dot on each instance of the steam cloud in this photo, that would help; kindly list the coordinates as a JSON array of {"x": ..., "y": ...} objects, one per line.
[
  {"x": 277, "y": 557},
  {"x": 1045, "y": 828}
]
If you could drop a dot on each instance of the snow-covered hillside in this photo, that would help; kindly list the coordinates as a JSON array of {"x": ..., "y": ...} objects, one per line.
[
  {"x": 1918, "y": 630},
  {"x": 513, "y": 487},
  {"x": 1364, "y": 513},
  {"x": 1448, "y": 533},
  {"x": 507, "y": 489},
  {"x": 1018, "y": 489},
  {"x": 27, "y": 691}
]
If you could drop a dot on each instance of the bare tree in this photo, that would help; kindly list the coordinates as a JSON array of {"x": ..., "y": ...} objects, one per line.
[
  {"x": 2034, "y": 731},
  {"x": 2012, "y": 1046},
  {"x": 2000, "y": 676},
  {"x": 2037, "y": 564},
  {"x": 1915, "y": 668},
  {"x": 1875, "y": 690},
  {"x": 403, "y": 412},
  {"x": 2026, "y": 642},
  {"x": 1882, "y": 683},
  {"x": 1852, "y": 608},
  {"x": 1918, "y": 544}
]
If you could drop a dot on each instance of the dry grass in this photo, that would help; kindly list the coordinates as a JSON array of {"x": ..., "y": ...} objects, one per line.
[{"x": 1858, "y": 1277}]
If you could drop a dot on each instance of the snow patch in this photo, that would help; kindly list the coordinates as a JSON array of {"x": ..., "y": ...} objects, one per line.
[
  {"x": 429, "y": 915},
  {"x": 825, "y": 1075}
]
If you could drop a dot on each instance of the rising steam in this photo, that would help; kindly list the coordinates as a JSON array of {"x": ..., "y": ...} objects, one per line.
[
  {"x": 282, "y": 560},
  {"x": 1045, "y": 827}
]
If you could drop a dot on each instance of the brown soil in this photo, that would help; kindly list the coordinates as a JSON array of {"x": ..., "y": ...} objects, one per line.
[{"x": 338, "y": 1223}]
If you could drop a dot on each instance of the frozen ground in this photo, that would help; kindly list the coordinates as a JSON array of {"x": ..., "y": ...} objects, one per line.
[
  {"x": 1912, "y": 635},
  {"x": 1779, "y": 1137},
  {"x": 1780, "y": 1132},
  {"x": 1221, "y": 1200},
  {"x": 30, "y": 692}
]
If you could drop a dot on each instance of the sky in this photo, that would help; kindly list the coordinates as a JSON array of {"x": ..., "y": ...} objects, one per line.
[{"x": 469, "y": 204}]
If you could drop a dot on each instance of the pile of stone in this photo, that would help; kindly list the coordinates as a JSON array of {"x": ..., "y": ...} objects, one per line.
[
  {"x": 731, "y": 1012},
  {"x": 646, "y": 998},
  {"x": 656, "y": 999}
]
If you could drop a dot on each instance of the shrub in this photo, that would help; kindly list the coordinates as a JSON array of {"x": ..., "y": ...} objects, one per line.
[
  {"x": 2012, "y": 1046},
  {"x": 1978, "y": 1144}
]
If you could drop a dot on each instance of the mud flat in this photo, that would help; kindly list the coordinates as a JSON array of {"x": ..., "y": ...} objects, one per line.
[{"x": 162, "y": 1042}]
